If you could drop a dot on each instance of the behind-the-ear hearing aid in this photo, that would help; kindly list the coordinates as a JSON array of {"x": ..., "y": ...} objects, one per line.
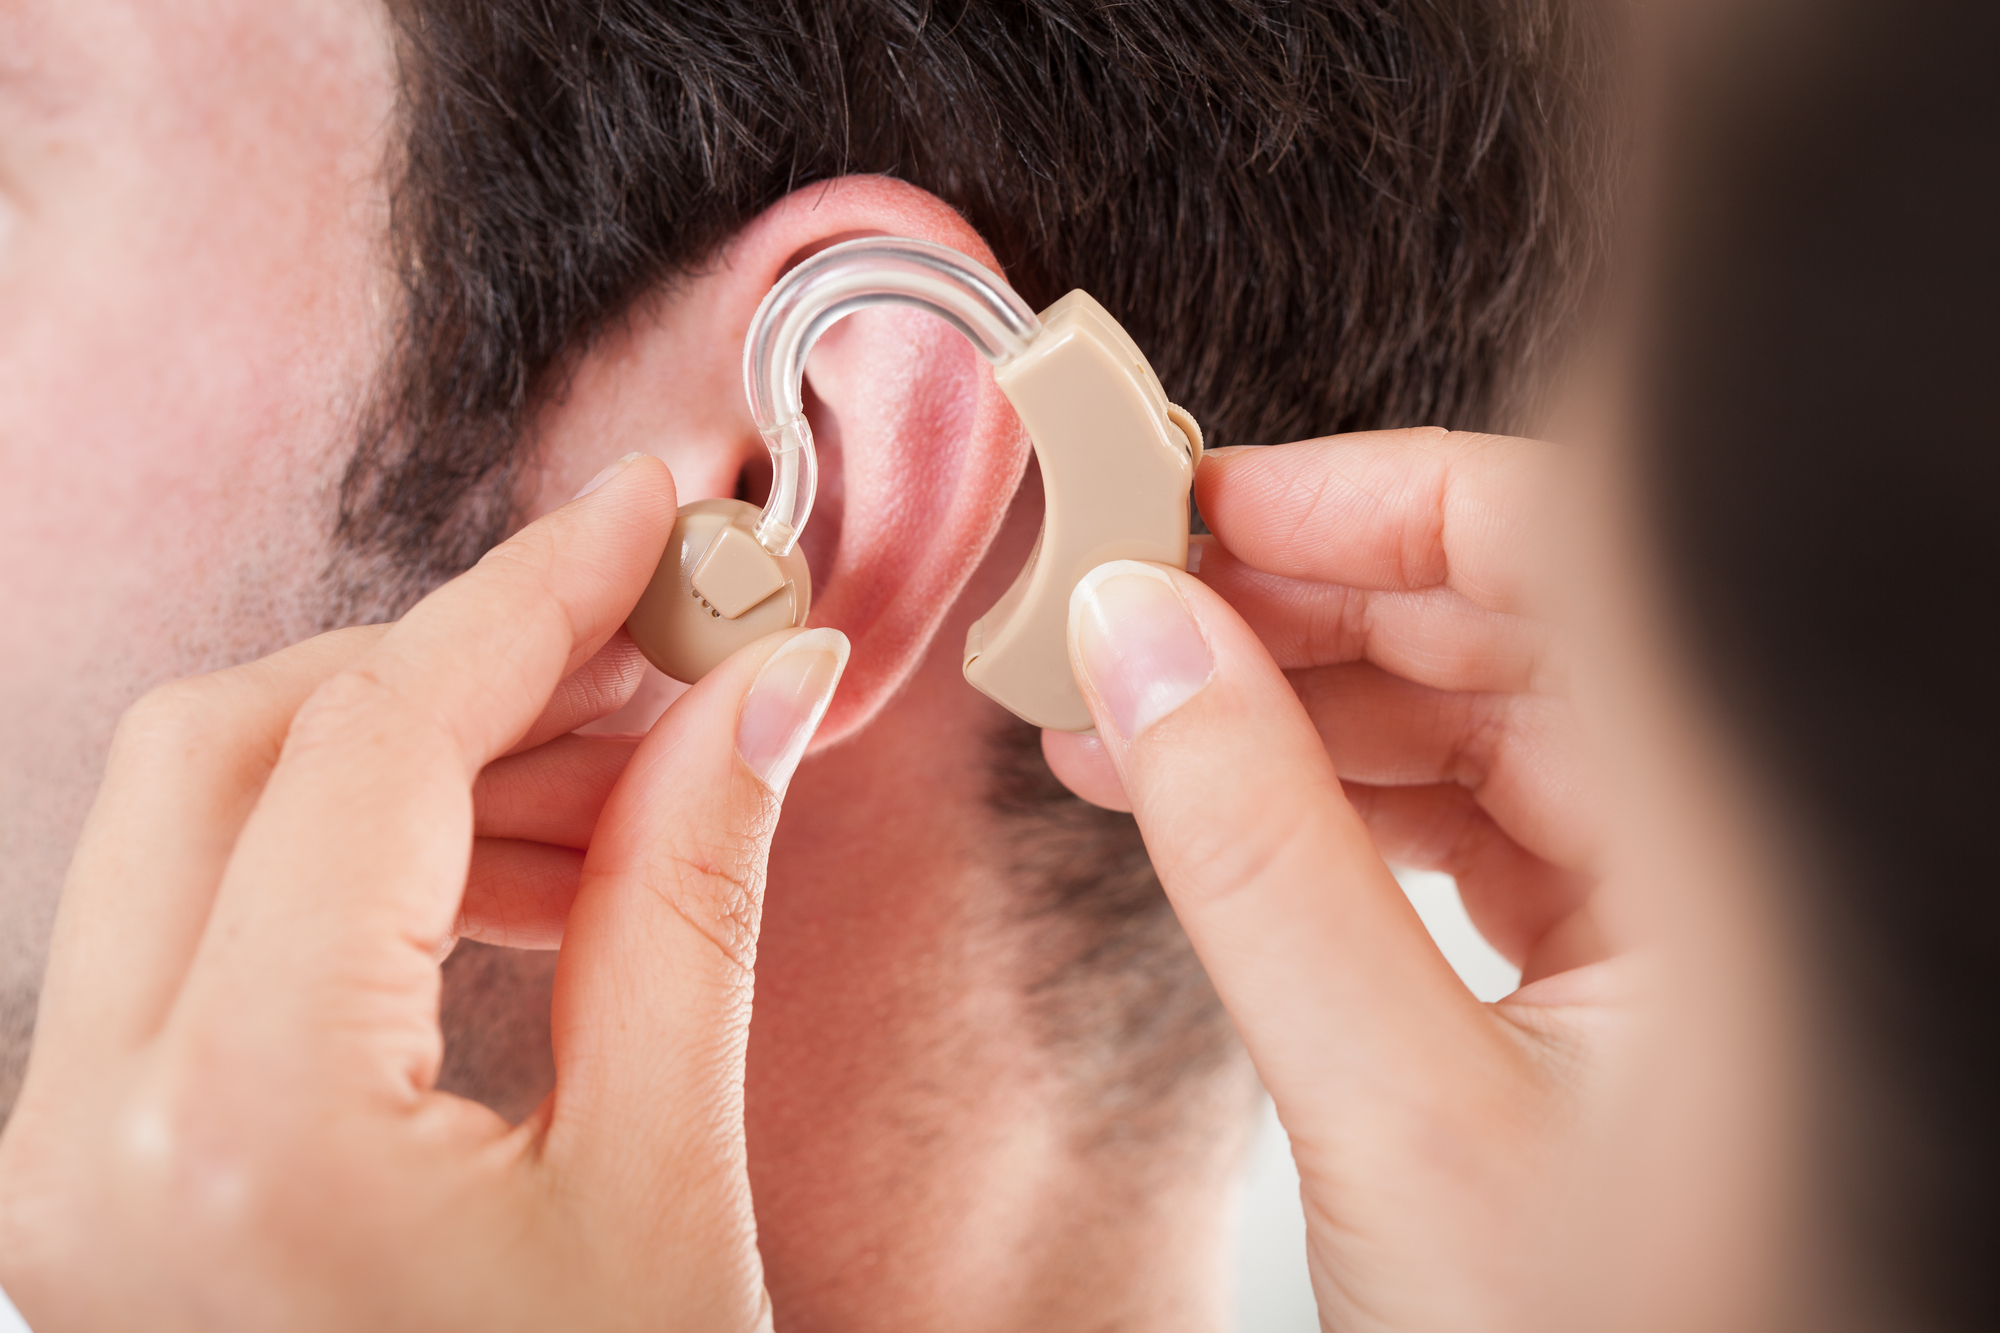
[{"x": 1117, "y": 462}]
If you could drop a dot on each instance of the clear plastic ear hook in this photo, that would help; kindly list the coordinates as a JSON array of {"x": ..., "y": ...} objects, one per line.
[
  {"x": 836, "y": 282},
  {"x": 1116, "y": 461}
]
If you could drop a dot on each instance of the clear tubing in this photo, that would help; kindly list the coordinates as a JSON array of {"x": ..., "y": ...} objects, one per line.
[{"x": 839, "y": 280}]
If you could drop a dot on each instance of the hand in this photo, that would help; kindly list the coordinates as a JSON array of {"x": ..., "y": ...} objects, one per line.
[
  {"x": 231, "y": 1119},
  {"x": 1390, "y": 574}
]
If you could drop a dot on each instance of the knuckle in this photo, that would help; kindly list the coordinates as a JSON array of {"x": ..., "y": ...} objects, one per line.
[
  {"x": 1482, "y": 723},
  {"x": 152, "y": 1163},
  {"x": 716, "y": 884},
  {"x": 354, "y": 706},
  {"x": 176, "y": 714},
  {"x": 346, "y": 704},
  {"x": 1336, "y": 622},
  {"x": 41, "y": 1222},
  {"x": 1465, "y": 832},
  {"x": 1353, "y": 625},
  {"x": 1423, "y": 558},
  {"x": 204, "y": 1147}
]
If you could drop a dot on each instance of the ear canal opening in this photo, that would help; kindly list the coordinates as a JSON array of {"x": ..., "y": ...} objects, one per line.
[
  {"x": 753, "y": 480},
  {"x": 829, "y": 286}
]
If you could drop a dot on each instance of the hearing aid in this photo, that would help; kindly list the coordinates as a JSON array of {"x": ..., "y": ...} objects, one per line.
[{"x": 1117, "y": 462}]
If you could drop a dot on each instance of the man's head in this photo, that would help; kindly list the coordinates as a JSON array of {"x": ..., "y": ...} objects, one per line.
[{"x": 303, "y": 310}]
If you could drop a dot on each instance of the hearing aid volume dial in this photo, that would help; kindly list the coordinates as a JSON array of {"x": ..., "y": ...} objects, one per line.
[{"x": 716, "y": 589}]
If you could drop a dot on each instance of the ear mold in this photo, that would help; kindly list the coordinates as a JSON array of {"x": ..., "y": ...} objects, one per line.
[
  {"x": 1117, "y": 462},
  {"x": 716, "y": 590}
]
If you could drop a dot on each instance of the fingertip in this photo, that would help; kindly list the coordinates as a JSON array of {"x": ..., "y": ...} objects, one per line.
[
  {"x": 633, "y": 473},
  {"x": 635, "y": 494},
  {"x": 657, "y": 478},
  {"x": 786, "y": 702},
  {"x": 1082, "y": 764},
  {"x": 1135, "y": 644}
]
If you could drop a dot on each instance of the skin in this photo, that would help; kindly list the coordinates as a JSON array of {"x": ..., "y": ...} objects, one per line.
[
  {"x": 197, "y": 305},
  {"x": 1461, "y": 1163},
  {"x": 301, "y": 828},
  {"x": 177, "y": 378},
  {"x": 1567, "y": 1156},
  {"x": 202, "y": 204}
]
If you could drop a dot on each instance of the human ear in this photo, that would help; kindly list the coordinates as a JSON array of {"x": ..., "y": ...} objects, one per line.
[{"x": 919, "y": 452}]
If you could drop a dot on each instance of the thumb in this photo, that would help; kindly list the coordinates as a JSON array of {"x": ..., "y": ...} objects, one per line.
[
  {"x": 1329, "y": 975},
  {"x": 652, "y": 999}
]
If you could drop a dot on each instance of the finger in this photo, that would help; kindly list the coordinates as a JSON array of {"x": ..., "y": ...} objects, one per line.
[
  {"x": 1081, "y": 763},
  {"x": 1393, "y": 510},
  {"x": 518, "y": 894},
  {"x": 185, "y": 768},
  {"x": 1514, "y": 897},
  {"x": 189, "y": 762},
  {"x": 533, "y": 816},
  {"x": 1518, "y": 755},
  {"x": 598, "y": 688},
  {"x": 1436, "y": 636},
  {"x": 553, "y": 793},
  {"x": 347, "y": 878},
  {"x": 1329, "y": 974},
  {"x": 652, "y": 1000}
]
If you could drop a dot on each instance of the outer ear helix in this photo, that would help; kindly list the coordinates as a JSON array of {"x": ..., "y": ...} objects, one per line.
[{"x": 1117, "y": 462}]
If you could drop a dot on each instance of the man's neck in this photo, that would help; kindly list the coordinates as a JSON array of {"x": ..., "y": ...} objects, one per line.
[{"x": 975, "y": 1104}]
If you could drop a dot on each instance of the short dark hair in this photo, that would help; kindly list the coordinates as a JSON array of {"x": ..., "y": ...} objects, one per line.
[{"x": 1314, "y": 215}]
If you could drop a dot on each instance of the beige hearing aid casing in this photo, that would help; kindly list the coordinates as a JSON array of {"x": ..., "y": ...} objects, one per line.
[
  {"x": 1117, "y": 461},
  {"x": 716, "y": 589}
]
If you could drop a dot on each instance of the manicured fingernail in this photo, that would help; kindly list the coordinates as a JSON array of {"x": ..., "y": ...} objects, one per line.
[
  {"x": 1138, "y": 643},
  {"x": 786, "y": 703},
  {"x": 605, "y": 475}
]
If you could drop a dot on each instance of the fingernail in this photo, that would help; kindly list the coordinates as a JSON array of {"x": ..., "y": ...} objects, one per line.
[
  {"x": 1138, "y": 643},
  {"x": 786, "y": 703},
  {"x": 605, "y": 476}
]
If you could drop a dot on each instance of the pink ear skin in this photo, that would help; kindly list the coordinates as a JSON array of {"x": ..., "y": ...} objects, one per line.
[{"x": 919, "y": 452}]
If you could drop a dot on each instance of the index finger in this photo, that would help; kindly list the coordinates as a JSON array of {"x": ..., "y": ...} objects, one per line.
[
  {"x": 1392, "y": 511},
  {"x": 346, "y": 879}
]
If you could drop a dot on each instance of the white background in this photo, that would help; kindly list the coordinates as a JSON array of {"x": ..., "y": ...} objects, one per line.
[{"x": 1272, "y": 1293}]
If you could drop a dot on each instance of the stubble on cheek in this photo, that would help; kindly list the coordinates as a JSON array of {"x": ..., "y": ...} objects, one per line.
[{"x": 198, "y": 302}]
